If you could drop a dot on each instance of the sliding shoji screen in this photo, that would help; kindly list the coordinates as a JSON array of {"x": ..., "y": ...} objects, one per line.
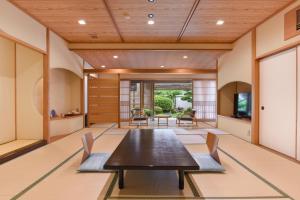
[
  {"x": 204, "y": 99},
  {"x": 103, "y": 98},
  {"x": 124, "y": 101}
]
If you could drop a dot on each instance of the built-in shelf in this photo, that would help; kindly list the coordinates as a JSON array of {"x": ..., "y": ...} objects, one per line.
[
  {"x": 66, "y": 117},
  {"x": 246, "y": 120}
]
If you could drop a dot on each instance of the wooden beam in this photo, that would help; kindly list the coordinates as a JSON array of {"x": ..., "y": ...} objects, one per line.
[
  {"x": 150, "y": 46},
  {"x": 255, "y": 93},
  {"x": 154, "y": 71}
]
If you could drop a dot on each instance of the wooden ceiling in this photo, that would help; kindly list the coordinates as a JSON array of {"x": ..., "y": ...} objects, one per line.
[
  {"x": 126, "y": 20},
  {"x": 151, "y": 59}
]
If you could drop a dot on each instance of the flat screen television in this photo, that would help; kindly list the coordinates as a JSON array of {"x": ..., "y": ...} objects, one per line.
[{"x": 242, "y": 105}]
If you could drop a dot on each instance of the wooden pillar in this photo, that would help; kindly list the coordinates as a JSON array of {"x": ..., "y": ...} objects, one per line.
[
  {"x": 119, "y": 109},
  {"x": 255, "y": 92},
  {"x": 46, "y": 89}
]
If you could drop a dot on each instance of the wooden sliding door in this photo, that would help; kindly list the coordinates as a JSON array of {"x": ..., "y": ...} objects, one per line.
[{"x": 103, "y": 98}]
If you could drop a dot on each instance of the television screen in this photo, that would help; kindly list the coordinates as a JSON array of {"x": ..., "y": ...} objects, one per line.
[
  {"x": 242, "y": 105},
  {"x": 243, "y": 102}
]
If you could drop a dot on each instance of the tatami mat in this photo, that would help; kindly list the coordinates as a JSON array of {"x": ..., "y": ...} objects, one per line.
[
  {"x": 235, "y": 182},
  {"x": 51, "y": 173},
  {"x": 147, "y": 184},
  {"x": 67, "y": 183},
  {"x": 18, "y": 174},
  {"x": 14, "y": 145}
]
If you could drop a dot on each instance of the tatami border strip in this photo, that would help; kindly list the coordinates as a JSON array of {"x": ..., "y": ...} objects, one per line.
[{"x": 54, "y": 169}]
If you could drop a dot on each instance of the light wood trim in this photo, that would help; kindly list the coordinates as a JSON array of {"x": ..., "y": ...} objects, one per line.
[
  {"x": 15, "y": 66},
  {"x": 119, "y": 109},
  {"x": 290, "y": 21},
  {"x": 150, "y": 46},
  {"x": 275, "y": 13},
  {"x": 7, "y": 36},
  {"x": 46, "y": 90},
  {"x": 281, "y": 49},
  {"x": 297, "y": 105},
  {"x": 160, "y": 71},
  {"x": 64, "y": 118},
  {"x": 255, "y": 92}
]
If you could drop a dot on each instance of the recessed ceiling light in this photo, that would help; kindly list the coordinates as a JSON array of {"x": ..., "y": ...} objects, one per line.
[
  {"x": 184, "y": 57},
  {"x": 151, "y": 22},
  {"x": 220, "y": 22},
  {"x": 162, "y": 66},
  {"x": 82, "y": 22},
  {"x": 103, "y": 66},
  {"x": 150, "y": 15},
  {"x": 151, "y": 1},
  {"x": 115, "y": 57}
]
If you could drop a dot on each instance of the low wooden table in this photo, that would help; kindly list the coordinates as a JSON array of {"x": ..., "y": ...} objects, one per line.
[
  {"x": 164, "y": 116},
  {"x": 151, "y": 149}
]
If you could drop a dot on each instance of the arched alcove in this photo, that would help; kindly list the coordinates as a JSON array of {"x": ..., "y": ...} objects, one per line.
[
  {"x": 228, "y": 96},
  {"x": 65, "y": 91}
]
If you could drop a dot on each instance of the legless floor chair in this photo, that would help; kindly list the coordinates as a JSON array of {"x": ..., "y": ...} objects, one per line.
[
  {"x": 209, "y": 162},
  {"x": 92, "y": 162}
]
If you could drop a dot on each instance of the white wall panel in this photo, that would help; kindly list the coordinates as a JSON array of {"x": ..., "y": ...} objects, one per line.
[
  {"x": 278, "y": 96},
  {"x": 16, "y": 23}
]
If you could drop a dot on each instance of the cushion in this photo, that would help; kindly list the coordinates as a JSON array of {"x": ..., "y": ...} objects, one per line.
[
  {"x": 207, "y": 163},
  {"x": 94, "y": 163}
]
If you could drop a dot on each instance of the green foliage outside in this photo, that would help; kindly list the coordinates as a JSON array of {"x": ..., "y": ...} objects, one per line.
[
  {"x": 188, "y": 96},
  {"x": 158, "y": 110},
  {"x": 164, "y": 102}
]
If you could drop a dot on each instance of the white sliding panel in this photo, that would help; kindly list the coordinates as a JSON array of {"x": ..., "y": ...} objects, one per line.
[
  {"x": 298, "y": 105},
  {"x": 278, "y": 97}
]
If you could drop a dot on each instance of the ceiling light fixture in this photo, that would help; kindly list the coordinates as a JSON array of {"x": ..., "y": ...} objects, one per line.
[
  {"x": 151, "y": 1},
  {"x": 151, "y": 22},
  {"x": 184, "y": 57},
  {"x": 162, "y": 66},
  {"x": 82, "y": 22},
  {"x": 115, "y": 57},
  {"x": 220, "y": 22},
  {"x": 103, "y": 66}
]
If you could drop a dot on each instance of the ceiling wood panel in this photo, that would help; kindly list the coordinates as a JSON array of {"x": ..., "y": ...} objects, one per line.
[
  {"x": 62, "y": 16},
  {"x": 169, "y": 17},
  {"x": 151, "y": 59},
  {"x": 130, "y": 17},
  {"x": 239, "y": 16}
]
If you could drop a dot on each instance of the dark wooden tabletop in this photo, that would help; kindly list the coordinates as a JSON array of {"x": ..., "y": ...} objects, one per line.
[{"x": 147, "y": 149}]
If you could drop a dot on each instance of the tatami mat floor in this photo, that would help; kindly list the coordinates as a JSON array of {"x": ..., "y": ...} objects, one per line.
[
  {"x": 51, "y": 172},
  {"x": 15, "y": 145}
]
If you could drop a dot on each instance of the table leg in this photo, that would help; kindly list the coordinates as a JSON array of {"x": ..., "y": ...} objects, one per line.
[
  {"x": 181, "y": 179},
  {"x": 121, "y": 178}
]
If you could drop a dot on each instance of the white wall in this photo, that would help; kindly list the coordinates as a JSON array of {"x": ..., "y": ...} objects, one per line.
[
  {"x": 236, "y": 65},
  {"x": 29, "y": 66},
  {"x": 21, "y": 26},
  {"x": 64, "y": 91},
  {"x": 270, "y": 34},
  {"x": 65, "y": 126},
  {"x": 237, "y": 127},
  {"x": 7, "y": 90},
  {"x": 62, "y": 57}
]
